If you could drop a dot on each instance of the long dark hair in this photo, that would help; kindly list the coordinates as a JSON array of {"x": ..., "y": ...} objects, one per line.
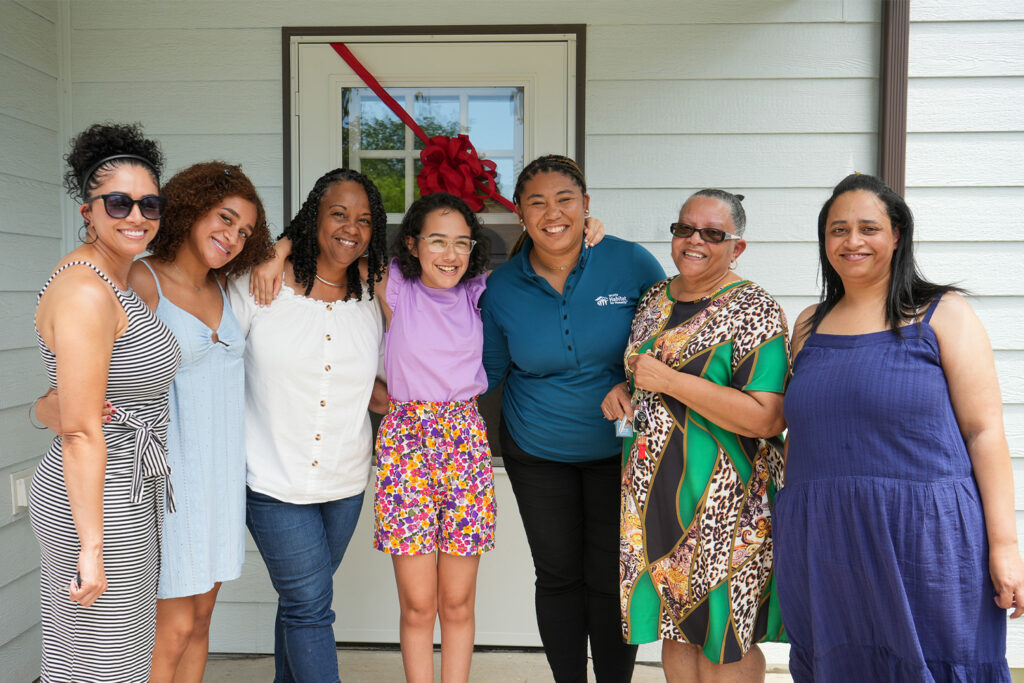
[
  {"x": 412, "y": 226},
  {"x": 909, "y": 292},
  {"x": 303, "y": 229}
]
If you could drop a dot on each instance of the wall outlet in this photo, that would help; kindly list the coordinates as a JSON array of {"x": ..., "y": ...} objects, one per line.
[{"x": 20, "y": 484}]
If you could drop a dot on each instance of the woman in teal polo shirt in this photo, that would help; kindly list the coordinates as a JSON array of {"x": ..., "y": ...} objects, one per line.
[{"x": 556, "y": 321}]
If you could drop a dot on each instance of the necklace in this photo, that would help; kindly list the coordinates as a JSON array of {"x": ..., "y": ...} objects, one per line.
[
  {"x": 194, "y": 288},
  {"x": 328, "y": 282},
  {"x": 555, "y": 269}
]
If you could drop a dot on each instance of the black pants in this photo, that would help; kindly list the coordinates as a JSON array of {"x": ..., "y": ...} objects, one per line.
[{"x": 571, "y": 515}]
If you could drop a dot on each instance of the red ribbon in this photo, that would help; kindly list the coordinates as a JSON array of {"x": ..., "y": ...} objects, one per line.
[{"x": 450, "y": 164}]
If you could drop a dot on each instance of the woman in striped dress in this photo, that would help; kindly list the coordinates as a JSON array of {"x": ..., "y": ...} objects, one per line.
[{"x": 99, "y": 494}]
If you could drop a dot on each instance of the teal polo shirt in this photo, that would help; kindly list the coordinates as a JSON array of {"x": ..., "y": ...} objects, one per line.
[{"x": 560, "y": 354}]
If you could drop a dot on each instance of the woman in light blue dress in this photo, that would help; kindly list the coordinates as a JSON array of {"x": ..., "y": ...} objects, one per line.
[{"x": 214, "y": 227}]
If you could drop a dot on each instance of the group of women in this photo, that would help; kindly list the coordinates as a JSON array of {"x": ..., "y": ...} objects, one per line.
[{"x": 183, "y": 406}]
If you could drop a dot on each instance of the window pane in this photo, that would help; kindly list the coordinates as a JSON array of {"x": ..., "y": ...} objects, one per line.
[
  {"x": 379, "y": 128},
  {"x": 506, "y": 175},
  {"x": 495, "y": 120},
  {"x": 389, "y": 177},
  {"x": 436, "y": 114}
]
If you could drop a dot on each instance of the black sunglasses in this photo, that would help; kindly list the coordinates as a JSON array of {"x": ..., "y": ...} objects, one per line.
[
  {"x": 713, "y": 235},
  {"x": 119, "y": 205}
]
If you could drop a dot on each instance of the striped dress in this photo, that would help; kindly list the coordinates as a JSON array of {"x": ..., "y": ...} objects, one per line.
[{"x": 112, "y": 640}]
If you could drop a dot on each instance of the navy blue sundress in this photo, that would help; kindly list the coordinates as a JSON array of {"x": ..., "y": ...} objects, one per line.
[{"x": 881, "y": 554}]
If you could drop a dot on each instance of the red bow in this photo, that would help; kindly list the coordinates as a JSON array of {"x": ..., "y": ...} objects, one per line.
[{"x": 450, "y": 165}]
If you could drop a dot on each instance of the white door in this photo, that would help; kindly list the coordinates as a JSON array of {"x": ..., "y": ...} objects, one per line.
[{"x": 515, "y": 98}]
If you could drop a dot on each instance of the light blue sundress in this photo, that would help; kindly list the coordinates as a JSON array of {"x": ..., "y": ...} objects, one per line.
[{"x": 204, "y": 541}]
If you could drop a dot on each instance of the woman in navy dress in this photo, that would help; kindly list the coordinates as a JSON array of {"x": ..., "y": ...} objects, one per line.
[{"x": 896, "y": 548}]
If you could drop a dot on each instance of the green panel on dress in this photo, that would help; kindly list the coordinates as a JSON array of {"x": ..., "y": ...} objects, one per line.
[
  {"x": 719, "y": 614},
  {"x": 771, "y": 368},
  {"x": 644, "y": 611},
  {"x": 696, "y": 474}
]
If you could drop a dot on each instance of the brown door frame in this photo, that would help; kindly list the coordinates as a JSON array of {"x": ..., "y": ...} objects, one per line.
[{"x": 287, "y": 32}]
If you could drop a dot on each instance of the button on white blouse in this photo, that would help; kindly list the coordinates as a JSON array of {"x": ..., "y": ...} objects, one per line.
[{"x": 309, "y": 372}]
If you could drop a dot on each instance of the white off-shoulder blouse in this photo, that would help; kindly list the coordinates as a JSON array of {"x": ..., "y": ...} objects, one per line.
[{"x": 309, "y": 371}]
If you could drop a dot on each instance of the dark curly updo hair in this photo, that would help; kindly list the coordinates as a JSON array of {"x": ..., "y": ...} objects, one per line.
[
  {"x": 191, "y": 194},
  {"x": 303, "y": 232},
  {"x": 412, "y": 226},
  {"x": 102, "y": 147}
]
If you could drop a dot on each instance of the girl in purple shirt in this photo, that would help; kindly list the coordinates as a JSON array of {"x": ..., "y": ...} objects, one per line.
[{"x": 434, "y": 497}]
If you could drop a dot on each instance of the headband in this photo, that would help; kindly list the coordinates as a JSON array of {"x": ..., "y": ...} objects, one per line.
[{"x": 92, "y": 169}]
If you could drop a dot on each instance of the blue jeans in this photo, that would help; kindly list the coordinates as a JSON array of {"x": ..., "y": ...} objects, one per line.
[{"x": 302, "y": 546}]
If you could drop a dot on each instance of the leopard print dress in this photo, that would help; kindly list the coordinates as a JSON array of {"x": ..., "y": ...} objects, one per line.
[{"x": 696, "y": 547}]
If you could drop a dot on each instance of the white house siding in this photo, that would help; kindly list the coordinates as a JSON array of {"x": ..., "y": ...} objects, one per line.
[
  {"x": 965, "y": 182},
  {"x": 776, "y": 100},
  {"x": 30, "y": 244}
]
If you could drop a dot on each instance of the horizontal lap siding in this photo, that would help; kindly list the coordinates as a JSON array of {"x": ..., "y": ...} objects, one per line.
[
  {"x": 30, "y": 235},
  {"x": 776, "y": 98},
  {"x": 965, "y": 175}
]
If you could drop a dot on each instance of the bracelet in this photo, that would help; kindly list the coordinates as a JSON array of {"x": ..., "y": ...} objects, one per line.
[{"x": 31, "y": 409}]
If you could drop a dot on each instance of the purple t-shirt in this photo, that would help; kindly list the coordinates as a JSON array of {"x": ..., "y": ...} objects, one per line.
[{"x": 434, "y": 346}]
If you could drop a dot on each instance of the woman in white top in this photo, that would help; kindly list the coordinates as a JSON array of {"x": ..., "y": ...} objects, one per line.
[{"x": 311, "y": 359}]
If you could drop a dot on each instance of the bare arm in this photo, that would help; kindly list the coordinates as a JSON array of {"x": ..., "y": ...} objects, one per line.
[
  {"x": 47, "y": 410},
  {"x": 379, "y": 398},
  {"x": 800, "y": 333},
  {"x": 79, "y": 320},
  {"x": 265, "y": 281},
  {"x": 748, "y": 413},
  {"x": 969, "y": 366}
]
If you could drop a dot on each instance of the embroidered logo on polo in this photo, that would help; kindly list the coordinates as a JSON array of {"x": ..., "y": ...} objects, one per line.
[{"x": 612, "y": 299}]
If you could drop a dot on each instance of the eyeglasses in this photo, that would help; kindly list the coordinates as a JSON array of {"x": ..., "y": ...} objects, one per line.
[
  {"x": 438, "y": 245},
  {"x": 713, "y": 235},
  {"x": 119, "y": 205}
]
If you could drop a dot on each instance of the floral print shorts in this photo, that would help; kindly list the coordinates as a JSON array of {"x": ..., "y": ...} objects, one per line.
[{"x": 435, "y": 488}]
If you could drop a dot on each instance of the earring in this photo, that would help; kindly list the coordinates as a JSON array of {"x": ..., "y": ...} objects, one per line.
[
  {"x": 586, "y": 212},
  {"x": 732, "y": 265}
]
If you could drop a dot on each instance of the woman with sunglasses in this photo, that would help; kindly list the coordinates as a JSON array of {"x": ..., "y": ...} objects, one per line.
[
  {"x": 213, "y": 227},
  {"x": 556, "y": 317},
  {"x": 99, "y": 493},
  {"x": 708, "y": 361}
]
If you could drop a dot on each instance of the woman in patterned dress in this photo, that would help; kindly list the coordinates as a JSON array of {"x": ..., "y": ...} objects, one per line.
[{"x": 708, "y": 360}]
